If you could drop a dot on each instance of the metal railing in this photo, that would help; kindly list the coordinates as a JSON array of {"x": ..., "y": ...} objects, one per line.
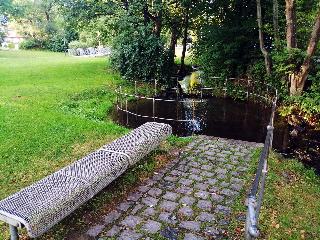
[
  {"x": 255, "y": 197},
  {"x": 229, "y": 86}
]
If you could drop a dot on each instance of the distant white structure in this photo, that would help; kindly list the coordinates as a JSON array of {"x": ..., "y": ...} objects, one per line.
[{"x": 12, "y": 37}]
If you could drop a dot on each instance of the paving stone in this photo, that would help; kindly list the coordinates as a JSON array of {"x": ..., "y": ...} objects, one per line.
[
  {"x": 191, "y": 236},
  {"x": 228, "y": 192},
  {"x": 216, "y": 197},
  {"x": 212, "y": 231},
  {"x": 190, "y": 225},
  {"x": 236, "y": 187},
  {"x": 185, "y": 181},
  {"x": 134, "y": 196},
  {"x": 223, "y": 209},
  {"x": 204, "y": 205},
  {"x": 186, "y": 211},
  {"x": 170, "y": 233},
  {"x": 171, "y": 196},
  {"x": 131, "y": 221},
  {"x": 124, "y": 206},
  {"x": 213, "y": 189},
  {"x": 194, "y": 164},
  {"x": 111, "y": 217},
  {"x": 224, "y": 222},
  {"x": 151, "y": 227},
  {"x": 167, "y": 217},
  {"x": 95, "y": 230},
  {"x": 235, "y": 174},
  {"x": 150, "y": 182},
  {"x": 242, "y": 169},
  {"x": 168, "y": 205},
  {"x": 187, "y": 200},
  {"x": 150, "y": 211},
  {"x": 136, "y": 208},
  {"x": 224, "y": 184},
  {"x": 149, "y": 201},
  {"x": 207, "y": 174},
  {"x": 171, "y": 179},
  {"x": 221, "y": 171},
  {"x": 195, "y": 177},
  {"x": 212, "y": 181},
  {"x": 115, "y": 230},
  {"x": 202, "y": 194},
  {"x": 130, "y": 235},
  {"x": 201, "y": 186},
  {"x": 221, "y": 176},
  {"x": 175, "y": 173},
  {"x": 184, "y": 190},
  {"x": 228, "y": 166},
  {"x": 155, "y": 192},
  {"x": 206, "y": 167},
  {"x": 194, "y": 170},
  {"x": 144, "y": 189},
  {"x": 236, "y": 180},
  {"x": 206, "y": 217}
]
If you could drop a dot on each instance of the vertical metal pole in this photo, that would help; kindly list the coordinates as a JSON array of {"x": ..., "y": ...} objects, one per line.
[
  {"x": 13, "y": 233},
  {"x": 153, "y": 109},
  {"x": 155, "y": 87},
  {"x": 120, "y": 97},
  {"x": 248, "y": 83},
  {"x": 135, "y": 88},
  {"x": 225, "y": 87},
  {"x": 127, "y": 109}
]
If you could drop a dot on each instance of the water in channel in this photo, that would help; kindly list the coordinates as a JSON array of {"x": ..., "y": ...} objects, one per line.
[{"x": 226, "y": 118}]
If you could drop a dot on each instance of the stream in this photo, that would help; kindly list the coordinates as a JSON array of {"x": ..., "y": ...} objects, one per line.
[{"x": 226, "y": 118}]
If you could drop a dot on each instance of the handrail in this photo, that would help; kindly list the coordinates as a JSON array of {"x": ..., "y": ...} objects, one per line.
[{"x": 255, "y": 197}]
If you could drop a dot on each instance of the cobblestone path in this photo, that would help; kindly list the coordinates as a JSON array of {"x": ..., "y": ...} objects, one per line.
[{"x": 190, "y": 198}]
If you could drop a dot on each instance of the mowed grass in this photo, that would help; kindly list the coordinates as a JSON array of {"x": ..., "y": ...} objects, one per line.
[
  {"x": 291, "y": 208},
  {"x": 53, "y": 109}
]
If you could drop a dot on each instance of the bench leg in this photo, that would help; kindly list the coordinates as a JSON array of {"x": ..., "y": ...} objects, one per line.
[{"x": 13, "y": 233}]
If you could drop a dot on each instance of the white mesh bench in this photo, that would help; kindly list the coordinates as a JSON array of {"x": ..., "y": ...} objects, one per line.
[{"x": 46, "y": 202}]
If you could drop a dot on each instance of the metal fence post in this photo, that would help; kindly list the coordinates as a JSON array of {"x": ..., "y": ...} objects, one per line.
[
  {"x": 127, "y": 109},
  {"x": 153, "y": 109},
  {"x": 120, "y": 97},
  {"x": 135, "y": 88},
  {"x": 225, "y": 87},
  {"x": 13, "y": 233}
]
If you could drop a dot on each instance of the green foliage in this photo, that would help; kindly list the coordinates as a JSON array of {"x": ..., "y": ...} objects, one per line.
[
  {"x": 138, "y": 54},
  {"x": 77, "y": 44},
  {"x": 31, "y": 44}
]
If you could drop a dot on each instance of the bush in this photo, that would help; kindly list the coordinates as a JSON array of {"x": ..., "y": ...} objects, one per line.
[
  {"x": 139, "y": 55},
  {"x": 31, "y": 44},
  {"x": 78, "y": 44},
  {"x": 56, "y": 44}
]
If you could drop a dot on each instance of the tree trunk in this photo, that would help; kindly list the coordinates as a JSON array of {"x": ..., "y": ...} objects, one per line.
[
  {"x": 291, "y": 24},
  {"x": 173, "y": 41},
  {"x": 298, "y": 80},
  {"x": 185, "y": 38},
  {"x": 276, "y": 23},
  {"x": 267, "y": 58}
]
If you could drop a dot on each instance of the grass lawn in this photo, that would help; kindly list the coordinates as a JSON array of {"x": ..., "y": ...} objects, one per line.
[{"x": 53, "y": 110}]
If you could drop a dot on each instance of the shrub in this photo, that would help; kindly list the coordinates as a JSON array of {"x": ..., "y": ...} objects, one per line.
[
  {"x": 31, "y": 44},
  {"x": 139, "y": 55},
  {"x": 78, "y": 44}
]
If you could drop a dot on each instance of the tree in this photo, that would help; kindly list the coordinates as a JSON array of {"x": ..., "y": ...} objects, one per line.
[
  {"x": 298, "y": 79},
  {"x": 267, "y": 58}
]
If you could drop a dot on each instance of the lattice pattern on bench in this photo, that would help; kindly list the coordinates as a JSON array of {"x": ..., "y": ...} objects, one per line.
[{"x": 44, "y": 203}]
